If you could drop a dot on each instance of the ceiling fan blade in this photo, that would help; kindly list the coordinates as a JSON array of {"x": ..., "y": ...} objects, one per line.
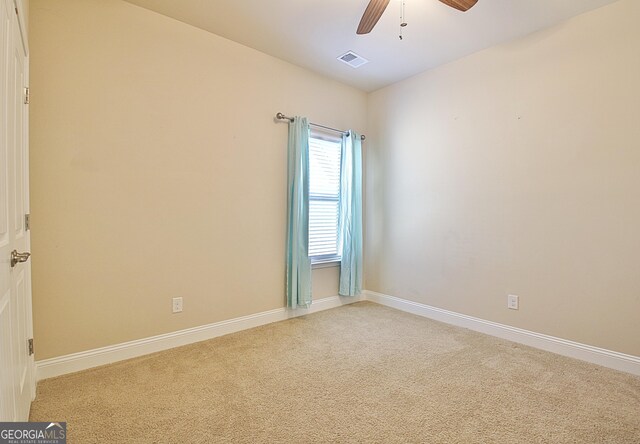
[
  {"x": 371, "y": 15},
  {"x": 460, "y": 5}
]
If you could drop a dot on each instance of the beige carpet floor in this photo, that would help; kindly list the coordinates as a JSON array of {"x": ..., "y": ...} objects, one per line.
[{"x": 359, "y": 373}]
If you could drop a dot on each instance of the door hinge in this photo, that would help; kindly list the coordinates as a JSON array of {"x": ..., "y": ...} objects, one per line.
[
  {"x": 27, "y": 222},
  {"x": 30, "y": 346},
  {"x": 26, "y": 95}
]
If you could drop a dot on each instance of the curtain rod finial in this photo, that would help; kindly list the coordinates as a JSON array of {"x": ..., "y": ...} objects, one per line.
[{"x": 281, "y": 116}]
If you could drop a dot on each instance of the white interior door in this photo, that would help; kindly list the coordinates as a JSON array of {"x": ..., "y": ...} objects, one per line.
[{"x": 17, "y": 382}]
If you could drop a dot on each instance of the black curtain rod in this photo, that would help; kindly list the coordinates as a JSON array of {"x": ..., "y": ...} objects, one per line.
[{"x": 281, "y": 116}]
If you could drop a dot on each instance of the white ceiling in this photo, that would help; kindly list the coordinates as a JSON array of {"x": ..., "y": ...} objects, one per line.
[{"x": 312, "y": 33}]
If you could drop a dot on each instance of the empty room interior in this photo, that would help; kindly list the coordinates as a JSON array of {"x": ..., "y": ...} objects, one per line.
[{"x": 404, "y": 221}]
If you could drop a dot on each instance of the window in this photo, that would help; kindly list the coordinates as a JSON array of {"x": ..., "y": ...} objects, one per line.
[{"x": 324, "y": 197}]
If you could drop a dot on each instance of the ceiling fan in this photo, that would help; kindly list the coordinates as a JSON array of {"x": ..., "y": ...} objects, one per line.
[{"x": 375, "y": 8}]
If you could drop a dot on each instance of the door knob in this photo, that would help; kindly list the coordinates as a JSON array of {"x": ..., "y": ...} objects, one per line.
[{"x": 18, "y": 257}]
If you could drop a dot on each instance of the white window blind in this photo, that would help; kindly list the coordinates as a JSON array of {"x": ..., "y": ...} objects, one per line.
[{"x": 324, "y": 198}]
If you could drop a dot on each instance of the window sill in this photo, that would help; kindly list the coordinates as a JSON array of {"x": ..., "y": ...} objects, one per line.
[{"x": 325, "y": 263}]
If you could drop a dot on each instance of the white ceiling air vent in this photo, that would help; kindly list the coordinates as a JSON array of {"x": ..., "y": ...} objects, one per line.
[{"x": 352, "y": 59}]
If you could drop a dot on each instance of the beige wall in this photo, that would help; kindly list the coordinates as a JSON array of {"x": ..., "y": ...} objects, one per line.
[
  {"x": 517, "y": 170},
  {"x": 157, "y": 171}
]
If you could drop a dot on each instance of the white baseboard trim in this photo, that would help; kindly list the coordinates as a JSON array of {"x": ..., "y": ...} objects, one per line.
[
  {"x": 49, "y": 368},
  {"x": 594, "y": 355},
  {"x": 75, "y": 362}
]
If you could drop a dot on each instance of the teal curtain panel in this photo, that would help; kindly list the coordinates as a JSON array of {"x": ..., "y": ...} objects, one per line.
[
  {"x": 298, "y": 273},
  {"x": 351, "y": 215}
]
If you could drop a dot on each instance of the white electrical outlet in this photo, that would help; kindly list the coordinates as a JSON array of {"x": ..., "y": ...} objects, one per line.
[
  {"x": 177, "y": 305},
  {"x": 512, "y": 302}
]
